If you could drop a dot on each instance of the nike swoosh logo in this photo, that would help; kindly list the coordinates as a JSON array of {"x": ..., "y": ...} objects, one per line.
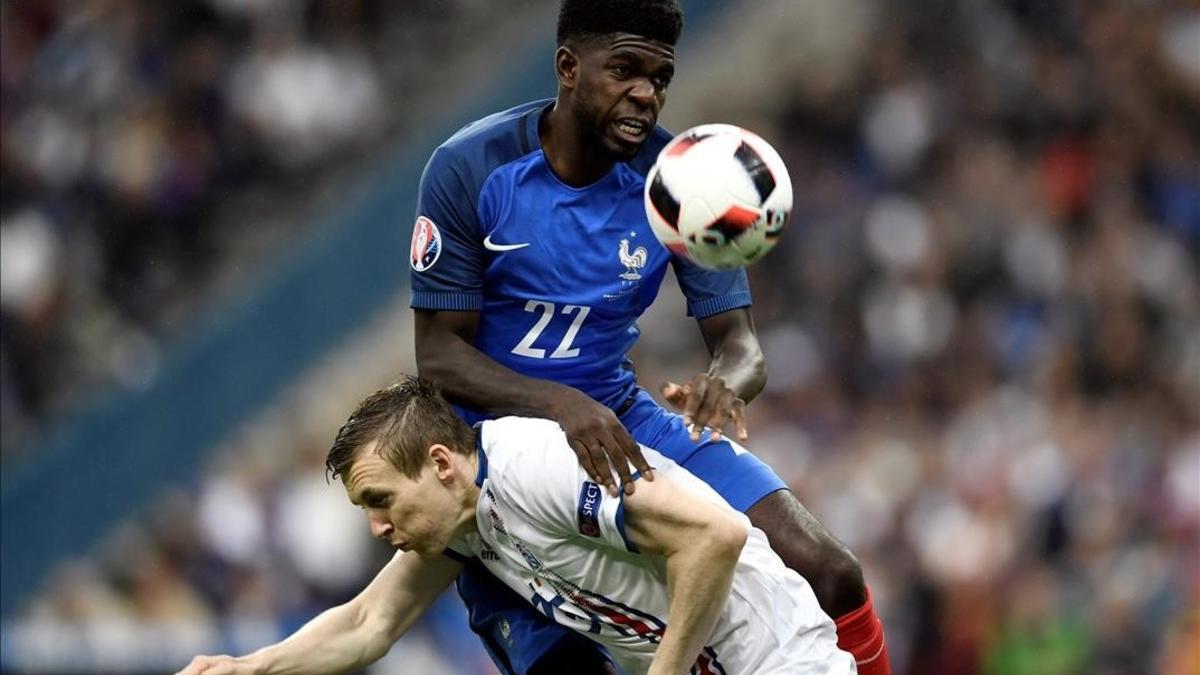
[{"x": 487, "y": 243}]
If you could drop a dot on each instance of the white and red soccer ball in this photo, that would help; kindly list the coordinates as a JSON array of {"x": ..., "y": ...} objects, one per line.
[{"x": 718, "y": 196}]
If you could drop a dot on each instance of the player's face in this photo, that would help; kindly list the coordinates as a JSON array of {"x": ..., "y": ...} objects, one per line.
[
  {"x": 411, "y": 514},
  {"x": 621, "y": 88}
]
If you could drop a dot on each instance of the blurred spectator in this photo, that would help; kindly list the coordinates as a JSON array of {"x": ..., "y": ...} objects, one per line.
[
  {"x": 126, "y": 127},
  {"x": 305, "y": 101}
]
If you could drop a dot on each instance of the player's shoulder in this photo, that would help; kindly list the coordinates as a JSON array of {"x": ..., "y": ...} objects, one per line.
[
  {"x": 530, "y": 467},
  {"x": 491, "y": 141},
  {"x": 515, "y": 434},
  {"x": 518, "y": 447}
]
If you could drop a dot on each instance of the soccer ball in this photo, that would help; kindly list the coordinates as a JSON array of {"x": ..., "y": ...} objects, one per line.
[{"x": 718, "y": 196}]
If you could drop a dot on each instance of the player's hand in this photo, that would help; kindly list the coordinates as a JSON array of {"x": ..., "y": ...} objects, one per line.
[
  {"x": 600, "y": 441},
  {"x": 708, "y": 401},
  {"x": 218, "y": 665}
]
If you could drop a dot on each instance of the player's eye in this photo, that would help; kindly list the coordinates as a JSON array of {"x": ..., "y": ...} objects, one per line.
[
  {"x": 622, "y": 70},
  {"x": 660, "y": 82}
]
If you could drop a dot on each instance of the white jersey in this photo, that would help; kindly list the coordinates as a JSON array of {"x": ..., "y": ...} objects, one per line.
[{"x": 558, "y": 540}]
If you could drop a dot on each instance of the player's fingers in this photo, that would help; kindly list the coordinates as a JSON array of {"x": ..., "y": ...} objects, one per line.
[
  {"x": 603, "y": 471},
  {"x": 723, "y": 414},
  {"x": 708, "y": 410},
  {"x": 194, "y": 667},
  {"x": 633, "y": 452},
  {"x": 738, "y": 415},
  {"x": 675, "y": 394},
  {"x": 714, "y": 410},
  {"x": 604, "y": 476},
  {"x": 699, "y": 387},
  {"x": 585, "y": 460},
  {"x": 618, "y": 450},
  {"x": 203, "y": 664}
]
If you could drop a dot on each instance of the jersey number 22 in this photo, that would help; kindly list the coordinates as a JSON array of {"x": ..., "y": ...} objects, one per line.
[{"x": 564, "y": 350}]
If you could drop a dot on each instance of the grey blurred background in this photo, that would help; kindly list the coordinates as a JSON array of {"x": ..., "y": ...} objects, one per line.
[{"x": 982, "y": 327}]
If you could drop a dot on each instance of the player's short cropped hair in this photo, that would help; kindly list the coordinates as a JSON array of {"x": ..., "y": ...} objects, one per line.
[
  {"x": 403, "y": 419},
  {"x": 660, "y": 20}
]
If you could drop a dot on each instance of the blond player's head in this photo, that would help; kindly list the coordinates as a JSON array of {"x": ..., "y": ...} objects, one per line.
[{"x": 407, "y": 459}]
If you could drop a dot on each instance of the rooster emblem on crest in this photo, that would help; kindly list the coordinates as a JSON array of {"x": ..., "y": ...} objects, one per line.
[{"x": 633, "y": 262}]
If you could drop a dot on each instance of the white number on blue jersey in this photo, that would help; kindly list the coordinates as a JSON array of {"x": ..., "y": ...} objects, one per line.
[{"x": 563, "y": 350}]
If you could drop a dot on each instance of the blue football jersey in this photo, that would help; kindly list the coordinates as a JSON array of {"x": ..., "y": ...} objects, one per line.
[{"x": 559, "y": 274}]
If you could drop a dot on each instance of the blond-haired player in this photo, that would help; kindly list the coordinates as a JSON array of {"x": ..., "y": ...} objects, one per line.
[{"x": 670, "y": 579}]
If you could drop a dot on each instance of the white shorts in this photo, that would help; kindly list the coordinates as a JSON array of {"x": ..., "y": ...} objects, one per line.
[{"x": 780, "y": 628}]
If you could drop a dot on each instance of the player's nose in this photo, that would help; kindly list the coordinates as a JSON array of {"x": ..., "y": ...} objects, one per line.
[
  {"x": 380, "y": 528},
  {"x": 642, "y": 92}
]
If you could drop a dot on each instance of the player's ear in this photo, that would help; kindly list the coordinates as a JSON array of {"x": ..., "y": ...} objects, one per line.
[
  {"x": 566, "y": 67},
  {"x": 443, "y": 462}
]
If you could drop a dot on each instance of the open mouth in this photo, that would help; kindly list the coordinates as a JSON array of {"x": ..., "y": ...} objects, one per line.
[{"x": 632, "y": 128}]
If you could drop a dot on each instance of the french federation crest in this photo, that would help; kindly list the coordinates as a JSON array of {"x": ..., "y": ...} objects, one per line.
[
  {"x": 426, "y": 245},
  {"x": 633, "y": 262}
]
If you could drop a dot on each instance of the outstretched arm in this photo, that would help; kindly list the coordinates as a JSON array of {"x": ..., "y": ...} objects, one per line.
[
  {"x": 349, "y": 636},
  {"x": 701, "y": 542}
]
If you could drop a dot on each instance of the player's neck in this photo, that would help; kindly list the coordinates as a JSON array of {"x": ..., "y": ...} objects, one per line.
[
  {"x": 468, "y": 497},
  {"x": 575, "y": 161}
]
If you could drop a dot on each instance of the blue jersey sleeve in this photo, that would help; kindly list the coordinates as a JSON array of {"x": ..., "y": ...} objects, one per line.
[
  {"x": 709, "y": 293},
  {"x": 446, "y": 258}
]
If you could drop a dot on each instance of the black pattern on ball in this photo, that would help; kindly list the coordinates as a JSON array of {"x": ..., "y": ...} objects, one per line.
[
  {"x": 754, "y": 165},
  {"x": 664, "y": 201}
]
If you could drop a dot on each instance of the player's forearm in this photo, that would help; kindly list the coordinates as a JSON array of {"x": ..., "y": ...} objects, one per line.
[
  {"x": 736, "y": 355},
  {"x": 698, "y": 583},
  {"x": 742, "y": 365},
  {"x": 339, "y": 639},
  {"x": 471, "y": 378}
]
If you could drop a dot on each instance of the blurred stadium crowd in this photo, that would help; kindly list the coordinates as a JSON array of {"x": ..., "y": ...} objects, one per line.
[
  {"x": 983, "y": 329},
  {"x": 154, "y": 151}
]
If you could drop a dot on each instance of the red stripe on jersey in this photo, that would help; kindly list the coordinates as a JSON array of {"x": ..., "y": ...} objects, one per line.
[{"x": 640, "y": 627}]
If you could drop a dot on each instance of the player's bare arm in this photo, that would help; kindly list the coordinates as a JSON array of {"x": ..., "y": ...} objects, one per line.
[
  {"x": 446, "y": 355},
  {"x": 352, "y": 635},
  {"x": 736, "y": 374},
  {"x": 701, "y": 542}
]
